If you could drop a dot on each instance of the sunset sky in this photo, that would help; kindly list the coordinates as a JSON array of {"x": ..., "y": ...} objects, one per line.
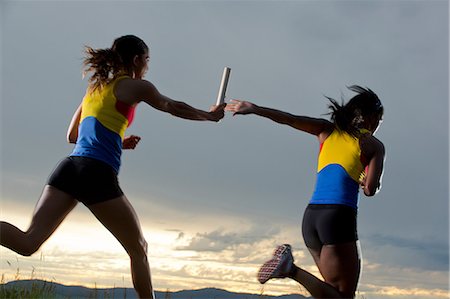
[{"x": 214, "y": 199}]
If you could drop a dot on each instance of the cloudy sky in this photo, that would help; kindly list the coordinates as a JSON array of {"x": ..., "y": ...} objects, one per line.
[{"x": 215, "y": 198}]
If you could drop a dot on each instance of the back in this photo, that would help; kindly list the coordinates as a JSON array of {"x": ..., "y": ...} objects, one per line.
[
  {"x": 102, "y": 126},
  {"x": 339, "y": 170}
]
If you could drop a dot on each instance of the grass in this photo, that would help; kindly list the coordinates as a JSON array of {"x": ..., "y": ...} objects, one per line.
[
  {"x": 36, "y": 291},
  {"x": 45, "y": 290},
  {"x": 42, "y": 289}
]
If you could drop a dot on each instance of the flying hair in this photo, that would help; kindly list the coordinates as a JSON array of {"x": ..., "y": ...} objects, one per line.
[
  {"x": 106, "y": 64},
  {"x": 350, "y": 117}
]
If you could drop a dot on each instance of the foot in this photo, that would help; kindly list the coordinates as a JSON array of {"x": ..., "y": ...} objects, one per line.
[{"x": 280, "y": 266}]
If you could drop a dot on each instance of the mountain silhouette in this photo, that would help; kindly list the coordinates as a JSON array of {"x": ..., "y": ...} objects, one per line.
[{"x": 60, "y": 291}]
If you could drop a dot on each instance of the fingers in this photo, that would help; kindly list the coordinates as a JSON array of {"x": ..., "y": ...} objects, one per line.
[
  {"x": 237, "y": 107},
  {"x": 130, "y": 142},
  {"x": 215, "y": 108},
  {"x": 233, "y": 105},
  {"x": 135, "y": 138}
]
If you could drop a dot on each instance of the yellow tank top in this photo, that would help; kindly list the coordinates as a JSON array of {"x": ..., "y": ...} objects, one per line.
[
  {"x": 339, "y": 170},
  {"x": 102, "y": 127}
]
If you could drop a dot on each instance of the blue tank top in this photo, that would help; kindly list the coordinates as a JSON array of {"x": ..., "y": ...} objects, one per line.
[
  {"x": 102, "y": 126},
  {"x": 339, "y": 171}
]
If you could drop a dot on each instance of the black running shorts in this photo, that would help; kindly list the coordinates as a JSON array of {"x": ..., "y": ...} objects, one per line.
[
  {"x": 328, "y": 225},
  {"x": 89, "y": 180}
]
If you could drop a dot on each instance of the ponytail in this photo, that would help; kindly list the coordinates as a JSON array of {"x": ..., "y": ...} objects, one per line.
[
  {"x": 343, "y": 117},
  {"x": 350, "y": 117},
  {"x": 107, "y": 64},
  {"x": 104, "y": 63}
]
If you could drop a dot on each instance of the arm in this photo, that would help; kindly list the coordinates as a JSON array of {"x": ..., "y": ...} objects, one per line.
[
  {"x": 183, "y": 110},
  {"x": 315, "y": 126},
  {"x": 133, "y": 91},
  {"x": 374, "y": 149},
  {"x": 72, "y": 132}
]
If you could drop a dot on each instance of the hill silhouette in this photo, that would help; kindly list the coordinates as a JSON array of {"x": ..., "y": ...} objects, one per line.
[{"x": 58, "y": 291}]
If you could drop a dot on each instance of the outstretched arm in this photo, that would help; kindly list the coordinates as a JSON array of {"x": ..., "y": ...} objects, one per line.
[
  {"x": 133, "y": 91},
  {"x": 315, "y": 126}
]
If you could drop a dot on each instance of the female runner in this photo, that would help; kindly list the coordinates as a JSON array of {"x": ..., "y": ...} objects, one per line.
[
  {"x": 89, "y": 174},
  {"x": 350, "y": 157}
]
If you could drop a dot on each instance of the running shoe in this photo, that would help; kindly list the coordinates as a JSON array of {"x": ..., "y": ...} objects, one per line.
[{"x": 279, "y": 266}]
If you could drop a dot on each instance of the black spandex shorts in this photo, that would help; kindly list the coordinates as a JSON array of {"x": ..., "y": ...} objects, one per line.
[
  {"x": 89, "y": 180},
  {"x": 328, "y": 225}
]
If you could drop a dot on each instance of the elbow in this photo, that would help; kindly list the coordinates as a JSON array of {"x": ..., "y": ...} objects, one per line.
[
  {"x": 371, "y": 190},
  {"x": 370, "y": 193},
  {"x": 71, "y": 138}
]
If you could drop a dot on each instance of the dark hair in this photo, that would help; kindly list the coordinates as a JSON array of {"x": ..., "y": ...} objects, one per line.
[
  {"x": 107, "y": 64},
  {"x": 350, "y": 117}
]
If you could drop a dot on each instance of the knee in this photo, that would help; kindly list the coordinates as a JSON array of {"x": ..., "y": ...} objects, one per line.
[
  {"x": 348, "y": 295},
  {"x": 33, "y": 241},
  {"x": 27, "y": 252},
  {"x": 24, "y": 243},
  {"x": 347, "y": 292},
  {"x": 139, "y": 249},
  {"x": 29, "y": 248}
]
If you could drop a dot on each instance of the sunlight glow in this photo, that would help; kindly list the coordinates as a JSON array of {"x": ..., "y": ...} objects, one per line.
[{"x": 83, "y": 252}]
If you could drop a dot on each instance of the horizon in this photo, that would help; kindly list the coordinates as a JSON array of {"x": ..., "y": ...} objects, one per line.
[{"x": 42, "y": 285}]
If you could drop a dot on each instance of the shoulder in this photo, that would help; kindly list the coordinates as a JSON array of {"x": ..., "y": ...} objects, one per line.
[
  {"x": 133, "y": 91},
  {"x": 370, "y": 145},
  {"x": 327, "y": 128}
]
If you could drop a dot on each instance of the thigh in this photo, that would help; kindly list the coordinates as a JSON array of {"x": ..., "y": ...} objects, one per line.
[
  {"x": 316, "y": 257},
  {"x": 340, "y": 266},
  {"x": 51, "y": 209},
  {"x": 120, "y": 218}
]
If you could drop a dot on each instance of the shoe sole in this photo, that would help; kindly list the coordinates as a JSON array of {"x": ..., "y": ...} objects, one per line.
[{"x": 271, "y": 266}]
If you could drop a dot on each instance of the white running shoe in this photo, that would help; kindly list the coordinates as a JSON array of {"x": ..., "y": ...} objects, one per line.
[{"x": 279, "y": 266}]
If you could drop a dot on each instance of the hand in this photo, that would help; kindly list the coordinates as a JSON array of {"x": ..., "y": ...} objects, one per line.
[
  {"x": 240, "y": 107},
  {"x": 217, "y": 112},
  {"x": 130, "y": 142}
]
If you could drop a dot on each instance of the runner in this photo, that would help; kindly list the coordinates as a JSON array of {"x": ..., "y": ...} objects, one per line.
[
  {"x": 89, "y": 174},
  {"x": 350, "y": 157}
]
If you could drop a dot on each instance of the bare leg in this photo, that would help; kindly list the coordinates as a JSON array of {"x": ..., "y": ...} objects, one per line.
[
  {"x": 340, "y": 267},
  {"x": 50, "y": 211},
  {"x": 119, "y": 217},
  {"x": 316, "y": 287}
]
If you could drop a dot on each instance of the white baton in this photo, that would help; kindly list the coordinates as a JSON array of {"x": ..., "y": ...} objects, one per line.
[{"x": 223, "y": 86}]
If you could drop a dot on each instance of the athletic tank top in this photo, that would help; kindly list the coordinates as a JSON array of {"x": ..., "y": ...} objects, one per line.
[
  {"x": 102, "y": 126},
  {"x": 339, "y": 170}
]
